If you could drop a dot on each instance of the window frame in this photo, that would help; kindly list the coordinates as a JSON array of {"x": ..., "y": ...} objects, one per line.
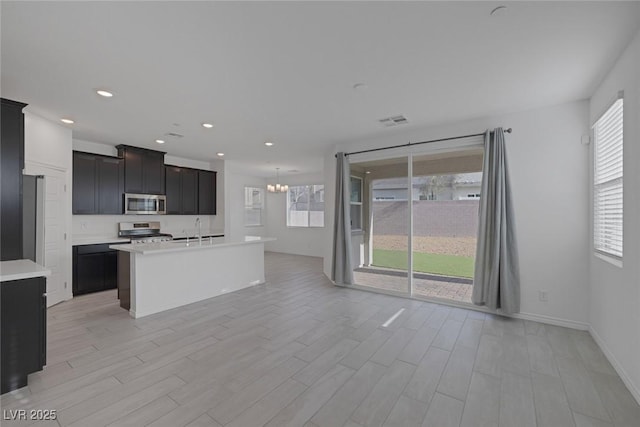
[
  {"x": 260, "y": 206},
  {"x": 601, "y": 185},
  {"x": 359, "y": 203},
  {"x": 288, "y": 205}
]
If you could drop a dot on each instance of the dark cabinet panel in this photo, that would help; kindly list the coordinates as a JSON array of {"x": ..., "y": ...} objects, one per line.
[
  {"x": 173, "y": 187},
  {"x": 153, "y": 173},
  {"x": 98, "y": 184},
  {"x": 111, "y": 269},
  {"x": 110, "y": 185},
  {"x": 143, "y": 170},
  {"x": 85, "y": 199},
  {"x": 133, "y": 171},
  {"x": 12, "y": 163},
  {"x": 182, "y": 190},
  {"x": 23, "y": 330},
  {"x": 95, "y": 268},
  {"x": 189, "y": 191},
  {"x": 206, "y": 192},
  {"x": 90, "y": 273}
]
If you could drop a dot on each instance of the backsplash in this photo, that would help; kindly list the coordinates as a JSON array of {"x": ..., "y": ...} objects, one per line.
[{"x": 107, "y": 225}]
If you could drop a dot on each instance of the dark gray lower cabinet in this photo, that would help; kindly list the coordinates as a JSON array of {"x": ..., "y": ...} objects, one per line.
[
  {"x": 95, "y": 268},
  {"x": 23, "y": 329}
]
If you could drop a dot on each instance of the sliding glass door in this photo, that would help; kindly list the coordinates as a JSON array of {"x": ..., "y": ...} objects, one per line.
[
  {"x": 445, "y": 224},
  {"x": 417, "y": 236},
  {"x": 382, "y": 240}
]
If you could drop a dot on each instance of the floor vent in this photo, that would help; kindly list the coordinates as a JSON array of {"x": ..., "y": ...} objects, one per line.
[{"x": 394, "y": 121}]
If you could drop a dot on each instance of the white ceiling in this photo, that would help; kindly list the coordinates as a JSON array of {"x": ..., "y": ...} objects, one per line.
[{"x": 285, "y": 71}]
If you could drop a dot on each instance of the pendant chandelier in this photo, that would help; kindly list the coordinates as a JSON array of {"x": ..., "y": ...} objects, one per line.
[{"x": 277, "y": 188}]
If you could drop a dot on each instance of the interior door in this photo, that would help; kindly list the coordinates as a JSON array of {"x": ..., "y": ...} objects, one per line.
[{"x": 54, "y": 236}]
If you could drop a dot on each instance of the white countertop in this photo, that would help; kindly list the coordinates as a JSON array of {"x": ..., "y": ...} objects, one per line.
[
  {"x": 191, "y": 231},
  {"x": 216, "y": 242},
  {"x": 21, "y": 269},
  {"x": 96, "y": 239}
]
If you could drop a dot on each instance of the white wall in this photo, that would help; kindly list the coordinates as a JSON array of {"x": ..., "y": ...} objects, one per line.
[
  {"x": 47, "y": 147},
  {"x": 293, "y": 240},
  {"x": 545, "y": 153},
  {"x": 236, "y": 178},
  {"x": 614, "y": 309},
  {"x": 107, "y": 225}
]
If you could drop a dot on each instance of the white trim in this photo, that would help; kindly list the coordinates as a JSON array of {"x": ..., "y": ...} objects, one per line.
[
  {"x": 27, "y": 170},
  {"x": 619, "y": 95},
  {"x": 608, "y": 258},
  {"x": 550, "y": 320},
  {"x": 635, "y": 391}
]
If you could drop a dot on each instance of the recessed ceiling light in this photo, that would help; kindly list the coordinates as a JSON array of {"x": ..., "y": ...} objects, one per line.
[
  {"x": 368, "y": 172},
  {"x": 160, "y": 141},
  {"x": 67, "y": 121},
  {"x": 220, "y": 154},
  {"x": 104, "y": 93},
  {"x": 268, "y": 144},
  {"x": 207, "y": 125},
  {"x": 360, "y": 86},
  {"x": 499, "y": 11}
]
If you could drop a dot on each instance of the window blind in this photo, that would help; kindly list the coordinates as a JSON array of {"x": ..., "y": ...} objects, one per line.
[{"x": 608, "y": 177}]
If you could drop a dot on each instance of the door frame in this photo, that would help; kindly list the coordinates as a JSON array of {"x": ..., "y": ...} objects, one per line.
[
  {"x": 37, "y": 168},
  {"x": 409, "y": 153}
]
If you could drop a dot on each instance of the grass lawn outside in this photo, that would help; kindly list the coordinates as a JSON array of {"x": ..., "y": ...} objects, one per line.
[{"x": 445, "y": 265}]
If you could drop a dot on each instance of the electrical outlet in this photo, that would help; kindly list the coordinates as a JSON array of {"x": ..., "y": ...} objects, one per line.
[
  {"x": 84, "y": 225},
  {"x": 543, "y": 296}
]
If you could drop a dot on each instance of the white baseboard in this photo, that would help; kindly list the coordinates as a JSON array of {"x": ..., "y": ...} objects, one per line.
[
  {"x": 552, "y": 321},
  {"x": 635, "y": 392}
]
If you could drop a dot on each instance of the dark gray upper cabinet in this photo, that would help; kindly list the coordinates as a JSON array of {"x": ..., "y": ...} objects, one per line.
[
  {"x": 153, "y": 173},
  {"x": 85, "y": 200},
  {"x": 110, "y": 185},
  {"x": 143, "y": 170},
  {"x": 173, "y": 187},
  {"x": 189, "y": 191},
  {"x": 182, "y": 190},
  {"x": 206, "y": 192},
  {"x": 12, "y": 158},
  {"x": 98, "y": 184}
]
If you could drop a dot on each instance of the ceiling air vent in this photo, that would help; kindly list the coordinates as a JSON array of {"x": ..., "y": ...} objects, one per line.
[
  {"x": 174, "y": 135},
  {"x": 394, "y": 121}
]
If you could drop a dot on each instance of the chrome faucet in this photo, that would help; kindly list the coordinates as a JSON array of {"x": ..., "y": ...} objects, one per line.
[{"x": 199, "y": 227}]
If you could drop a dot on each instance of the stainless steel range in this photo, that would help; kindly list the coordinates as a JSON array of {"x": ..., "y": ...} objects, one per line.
[{"x": 143, "y": 232}]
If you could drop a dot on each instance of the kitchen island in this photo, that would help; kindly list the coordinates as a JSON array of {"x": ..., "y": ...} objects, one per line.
[{"x": 166, "y": 275}]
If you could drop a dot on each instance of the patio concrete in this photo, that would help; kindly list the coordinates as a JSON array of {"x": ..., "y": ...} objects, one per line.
[{"x": 443, "y": 289}]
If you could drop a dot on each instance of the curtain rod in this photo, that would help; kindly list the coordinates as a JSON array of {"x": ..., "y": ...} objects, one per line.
[{"x": 410, "y": 144}]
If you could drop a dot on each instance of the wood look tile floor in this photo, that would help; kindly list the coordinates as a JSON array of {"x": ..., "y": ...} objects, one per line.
[{"x": 300, "y": 352}]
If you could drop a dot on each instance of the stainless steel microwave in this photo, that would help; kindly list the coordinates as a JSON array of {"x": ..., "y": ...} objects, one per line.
[{"x": 145, "y": 204}]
